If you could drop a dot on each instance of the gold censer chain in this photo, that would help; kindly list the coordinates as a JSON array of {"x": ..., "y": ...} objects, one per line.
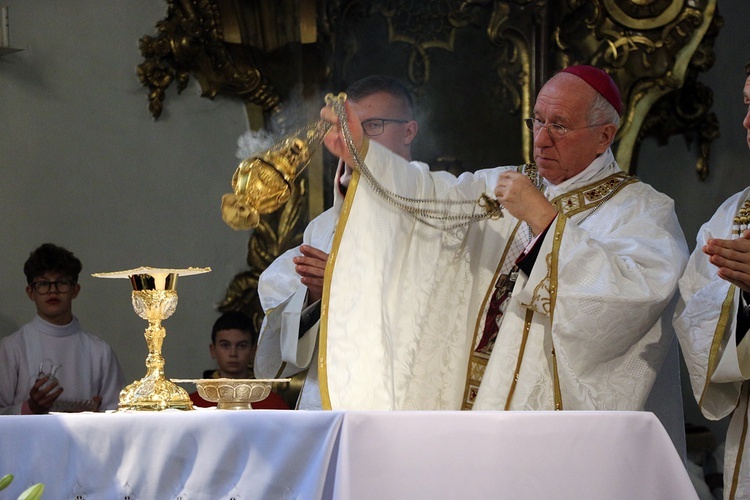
[{"x": 440, "y": 214}]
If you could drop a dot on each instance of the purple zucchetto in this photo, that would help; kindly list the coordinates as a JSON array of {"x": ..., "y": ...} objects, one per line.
[{"x": 600, "y": 81}]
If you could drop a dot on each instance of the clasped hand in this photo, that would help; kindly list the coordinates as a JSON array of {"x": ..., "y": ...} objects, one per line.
[{"x": 732, "y": 257}]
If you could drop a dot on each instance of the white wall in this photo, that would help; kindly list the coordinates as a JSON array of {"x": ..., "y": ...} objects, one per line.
[{"x": 84, "y": 165}]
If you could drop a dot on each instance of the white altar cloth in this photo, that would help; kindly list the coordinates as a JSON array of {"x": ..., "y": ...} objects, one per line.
[{"x": 267, "y": 454}]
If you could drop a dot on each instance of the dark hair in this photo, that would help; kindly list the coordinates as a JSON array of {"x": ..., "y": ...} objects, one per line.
[
  {"x": 380, "y": 83},
  {"x": 747, "y": 69},
  {"x": 50, "y": 257},
  {"x": 233, "y": 320}
]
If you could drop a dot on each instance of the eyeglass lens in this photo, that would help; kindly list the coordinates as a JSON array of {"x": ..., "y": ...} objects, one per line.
[
  {"x": 373, "y": 127},
  {"x": 553, "y": 129},
  {"x": 44, "y": 287}
]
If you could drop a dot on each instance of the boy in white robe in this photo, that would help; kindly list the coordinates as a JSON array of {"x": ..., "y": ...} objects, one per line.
[{"x": 87, "y": 375}]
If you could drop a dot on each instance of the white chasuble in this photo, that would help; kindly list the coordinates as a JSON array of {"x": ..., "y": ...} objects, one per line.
[
  {"x": 706, "y": 322},
  {"x": 403, "y": 301}
]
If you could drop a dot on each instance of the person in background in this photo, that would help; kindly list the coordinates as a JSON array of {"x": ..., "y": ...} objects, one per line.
[
  {"x": 51, "y": 363},
  {"x": 290, "y": 288},
  {"x": 712, "y": 321},
  {"x": 233, "y": 347}
]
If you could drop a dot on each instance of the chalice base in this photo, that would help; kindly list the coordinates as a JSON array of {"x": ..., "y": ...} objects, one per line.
[{"x": 154, "y": 394}]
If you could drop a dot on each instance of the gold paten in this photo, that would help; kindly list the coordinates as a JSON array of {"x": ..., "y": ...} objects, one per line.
[{"x": 154, "y": 299}]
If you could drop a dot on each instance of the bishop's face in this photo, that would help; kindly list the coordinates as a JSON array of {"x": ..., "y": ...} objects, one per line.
[{"x": 565, "y": 100}]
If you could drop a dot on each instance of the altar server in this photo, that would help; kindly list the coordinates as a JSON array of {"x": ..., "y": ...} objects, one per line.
[
  {"x": 712, "y": 321},
  {"x": 51, "y": 363}
]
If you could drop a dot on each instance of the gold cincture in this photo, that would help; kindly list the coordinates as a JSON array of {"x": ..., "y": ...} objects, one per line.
[
  {"x": 263, "y": 183},
  {"x": 154, "y": 299}
]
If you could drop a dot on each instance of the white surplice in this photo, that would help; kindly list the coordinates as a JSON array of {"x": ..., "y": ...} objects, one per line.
[
  {"x": 403, "y": 301},
  {"x": 88, "y": 368},
  {"x": 706, "y": 322}
]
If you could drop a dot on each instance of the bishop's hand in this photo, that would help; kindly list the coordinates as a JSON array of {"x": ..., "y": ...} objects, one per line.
[{"x": 524, "y": 201}]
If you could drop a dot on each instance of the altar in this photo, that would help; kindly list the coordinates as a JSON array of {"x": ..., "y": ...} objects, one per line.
[{"x": 269, "y": 454}]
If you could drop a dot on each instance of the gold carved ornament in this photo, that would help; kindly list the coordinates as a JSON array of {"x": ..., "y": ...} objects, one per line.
[
  {"x": 263, "y": 183},
  {"x": 654, "y": 50},
  {"x": 192, "y": 39}
]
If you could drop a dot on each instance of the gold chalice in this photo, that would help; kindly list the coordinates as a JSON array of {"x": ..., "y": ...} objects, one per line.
[{"x": 154, "y": 299}]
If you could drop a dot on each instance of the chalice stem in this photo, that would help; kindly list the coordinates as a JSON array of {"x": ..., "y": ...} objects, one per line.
[{"x": 155, "y": 334}]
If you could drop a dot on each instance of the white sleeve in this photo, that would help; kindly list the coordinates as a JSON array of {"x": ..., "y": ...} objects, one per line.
[
  {"x": 281, "y": 352},
  {"x": 296, "y": 349},
  {"x": 9, "y": 371}
]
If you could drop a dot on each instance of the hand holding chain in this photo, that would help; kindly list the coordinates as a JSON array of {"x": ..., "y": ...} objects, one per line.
[{"x": 425, "y": 210}]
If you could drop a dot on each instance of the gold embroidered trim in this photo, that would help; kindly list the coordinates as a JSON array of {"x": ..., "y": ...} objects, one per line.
[
  {"x": 741, "y": 449},
  {"x": 741, "y": 220},
  {"x": 540, "y": 298},
  {"x": 588, "y": 197},
  {"x": 325, "y": 398},
  {"x": 521, "y": 349},
  {"x": 553, "y": 264},
  {"x": 721, "y": 326},
  {"x": 556, "y": 382},
  {"x": 473, "y": 358}
]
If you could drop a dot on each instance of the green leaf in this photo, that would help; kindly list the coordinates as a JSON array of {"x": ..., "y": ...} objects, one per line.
[
  {"x": 33, "y": 492},
  {"x": 5, "y": 481}
]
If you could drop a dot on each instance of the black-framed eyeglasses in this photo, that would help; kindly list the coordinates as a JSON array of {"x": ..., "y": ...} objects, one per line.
[
  {"x": 45, "y": 287},
  {"x": 375, "y": 126},
  {"x": 555, "y": 130}
]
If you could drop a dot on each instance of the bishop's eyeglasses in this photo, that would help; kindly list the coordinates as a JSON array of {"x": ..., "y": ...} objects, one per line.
[
  {"x": 375, "y": 126},
  {"x": 555, "y": 130},
  {"x": 45, "y": 287}
]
